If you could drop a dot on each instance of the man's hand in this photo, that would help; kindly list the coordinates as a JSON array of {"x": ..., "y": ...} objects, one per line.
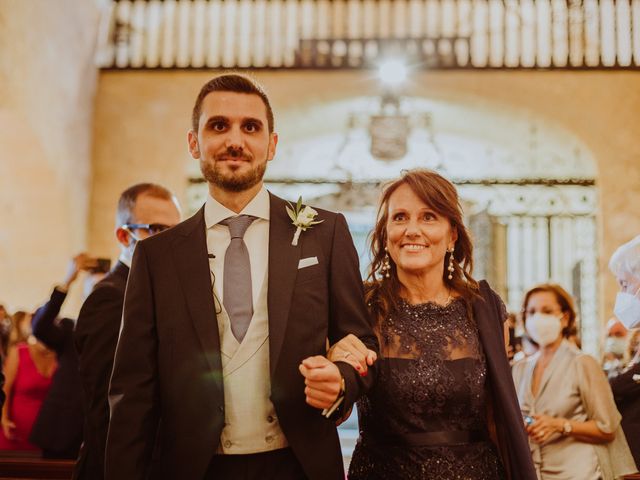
[
  {"x": 80, "y": 262},
  {"x": 351, "y": 350},
  {"x": 322, "y": 379}
]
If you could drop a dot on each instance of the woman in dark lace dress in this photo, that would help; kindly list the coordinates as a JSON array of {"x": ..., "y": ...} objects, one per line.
[{"x": 427, "y": 415}]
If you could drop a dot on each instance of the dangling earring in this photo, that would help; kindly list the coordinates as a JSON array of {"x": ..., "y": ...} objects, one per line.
[
  {"x": 386, "y": 266},
  {"x": 450, "y": 268}
]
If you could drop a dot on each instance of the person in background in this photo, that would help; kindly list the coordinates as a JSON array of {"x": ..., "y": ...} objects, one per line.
[
  {"x": 58, "y": 427},
  {"x": 20, "y": 328},
  {"x": 573, "y": 423},
  {"x": 615, "y": 344},
  {"x": 625, "y": 265},
  {"x": 632, "y": 353},
  {"x": 143, "y": 210},
  {"x": 28, "y": 370},
  {"x": 515, "y": 342},
  {"x": 5, "y": 331}
]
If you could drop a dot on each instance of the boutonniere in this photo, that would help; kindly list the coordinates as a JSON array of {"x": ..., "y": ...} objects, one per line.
[{"x": 302, "y": 217}]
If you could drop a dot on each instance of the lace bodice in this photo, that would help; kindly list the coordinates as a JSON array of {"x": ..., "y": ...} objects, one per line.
[{"x": 431, "y": 378}]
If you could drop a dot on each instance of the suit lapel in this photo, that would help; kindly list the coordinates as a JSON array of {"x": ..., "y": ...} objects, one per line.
[
  {"x": 283, "y": 268},
  {"x": 190, "y": 253}
]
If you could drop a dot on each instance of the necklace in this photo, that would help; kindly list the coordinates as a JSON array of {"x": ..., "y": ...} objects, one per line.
[
  {"x": 449, "y": 298},
  {"x": 436, "y": 301}
]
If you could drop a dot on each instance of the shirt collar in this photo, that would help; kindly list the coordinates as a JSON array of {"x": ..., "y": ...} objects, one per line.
[
  {"x": 215, "y": 212},
  {"x": 125, "y": 258}
]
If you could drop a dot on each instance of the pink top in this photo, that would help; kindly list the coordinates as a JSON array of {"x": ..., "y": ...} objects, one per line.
[{"x": 28, "y": 392}]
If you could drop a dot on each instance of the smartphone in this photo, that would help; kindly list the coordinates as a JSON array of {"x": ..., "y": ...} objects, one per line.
[
  {"x": 528, "y": 419},
  {"x": 103, "y": 265}
]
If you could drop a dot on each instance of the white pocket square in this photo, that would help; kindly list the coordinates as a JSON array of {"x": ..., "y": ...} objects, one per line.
[{"x": 307, "y": 262}]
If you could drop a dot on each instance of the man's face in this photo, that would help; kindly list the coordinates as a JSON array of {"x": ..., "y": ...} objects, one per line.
[
  {"x": 153, "y": 211},
  {"x": 233, "y": 142}
]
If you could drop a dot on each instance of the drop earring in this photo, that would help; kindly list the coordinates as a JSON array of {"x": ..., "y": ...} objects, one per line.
[
  {"x": 450, "y": 268},
  {"x": 386, "y": 266}
]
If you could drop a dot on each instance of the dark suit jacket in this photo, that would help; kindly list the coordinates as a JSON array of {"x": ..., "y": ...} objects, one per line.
[
  {"x": 168, "y": 365},
  {"x": 96, "y": 337},
  {"x": 626, "y": 393},
  {"x": 58, "y": 427},
  {"x": 512, "y": 437}
]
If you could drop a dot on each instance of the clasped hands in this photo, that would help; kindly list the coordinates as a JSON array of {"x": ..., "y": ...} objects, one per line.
[
  {"x": 544, "y": 427},
  {"x": 322, "y": 377}
]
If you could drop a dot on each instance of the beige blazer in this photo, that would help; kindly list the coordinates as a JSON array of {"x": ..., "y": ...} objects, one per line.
[{"x": 574, "y": 387}]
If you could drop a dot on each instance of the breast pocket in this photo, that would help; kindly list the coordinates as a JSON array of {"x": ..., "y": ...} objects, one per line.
[{"x": 309, "y": 274}]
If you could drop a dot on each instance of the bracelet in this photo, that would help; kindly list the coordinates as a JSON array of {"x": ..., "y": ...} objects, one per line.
[{"x": 327, "y": 412}]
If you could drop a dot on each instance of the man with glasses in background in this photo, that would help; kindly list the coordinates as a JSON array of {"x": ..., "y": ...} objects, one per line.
[{"x": 144, "y": 210}]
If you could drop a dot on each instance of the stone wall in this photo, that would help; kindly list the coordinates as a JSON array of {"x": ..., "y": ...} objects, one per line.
[{"x": 47, "y": 87}]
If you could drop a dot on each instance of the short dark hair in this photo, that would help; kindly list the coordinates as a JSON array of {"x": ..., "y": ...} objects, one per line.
[
  {"x": 129, "y": 197},
  {"x": 231, "y": 82}
]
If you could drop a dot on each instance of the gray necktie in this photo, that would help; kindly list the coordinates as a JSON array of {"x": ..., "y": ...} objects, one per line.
[{"x": 236, "y": 295}]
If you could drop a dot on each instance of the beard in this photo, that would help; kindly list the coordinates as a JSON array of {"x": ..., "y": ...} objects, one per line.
[{"x": 232, "y": 181}]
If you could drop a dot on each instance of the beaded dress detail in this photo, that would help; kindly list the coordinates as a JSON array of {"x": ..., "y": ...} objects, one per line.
[{"x": 431, "y": 378}]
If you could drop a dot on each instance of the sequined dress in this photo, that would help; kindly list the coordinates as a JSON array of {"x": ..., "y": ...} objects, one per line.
[{"x": 431, "y": 378}]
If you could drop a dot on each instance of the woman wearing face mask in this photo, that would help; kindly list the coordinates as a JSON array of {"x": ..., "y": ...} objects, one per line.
[
  {"x": 615, "y": 345},
  {"x": 575, "y": 433},
  {"x": 625, "y": 265}
]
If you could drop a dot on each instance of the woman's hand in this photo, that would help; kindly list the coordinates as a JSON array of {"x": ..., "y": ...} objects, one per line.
[
  {"x": 351, "y": 350},
  {"x": 7, "y": 428},
  {"x": 544, "y": 427}
]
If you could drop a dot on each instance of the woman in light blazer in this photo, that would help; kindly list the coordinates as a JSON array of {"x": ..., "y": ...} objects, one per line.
[{"x": 573, "y": 424}]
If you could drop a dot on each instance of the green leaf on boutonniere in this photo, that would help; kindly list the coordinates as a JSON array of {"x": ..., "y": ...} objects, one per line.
[{"x": 291, "y": 213}]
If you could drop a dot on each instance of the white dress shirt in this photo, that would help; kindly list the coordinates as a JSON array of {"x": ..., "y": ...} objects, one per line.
[{"x": 256, "y": 238}]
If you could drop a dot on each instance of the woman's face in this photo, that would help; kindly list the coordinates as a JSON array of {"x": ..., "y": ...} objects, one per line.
[
  {"x": 417, "y": 236},
  {"x": 25, "y": 325},
  {"x": 545, "y": 302}
]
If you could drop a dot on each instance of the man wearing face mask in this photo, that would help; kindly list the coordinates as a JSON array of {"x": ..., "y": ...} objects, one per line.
[
  {"x": 625, "y": 265},
  {"x": 570, "y": 411},
  {"x": 143, "y": 210},
  {"x": 615, "y": 345}
]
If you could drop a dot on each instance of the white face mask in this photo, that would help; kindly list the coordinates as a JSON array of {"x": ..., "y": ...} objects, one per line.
[
  {"x": 627, "y": 309},
  {"x": 615, "y": 345},
  {"x": 543, "y": 328}
]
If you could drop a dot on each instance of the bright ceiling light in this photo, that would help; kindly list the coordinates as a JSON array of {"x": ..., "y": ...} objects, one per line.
[{"x": 392, "y": 72}]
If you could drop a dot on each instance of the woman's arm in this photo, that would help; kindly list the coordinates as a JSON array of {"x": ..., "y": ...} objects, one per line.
[
  {"x": 10, "y": 370},
  {"x": 545, "y": 426}
]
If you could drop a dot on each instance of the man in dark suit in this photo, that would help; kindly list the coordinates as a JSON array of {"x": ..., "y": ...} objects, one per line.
[
  {"x": 626, "y": 392},
  {"x": 143, "y": 210},
  {"x": 58, "y": 426},
  {"x": 220, "y": 362}
]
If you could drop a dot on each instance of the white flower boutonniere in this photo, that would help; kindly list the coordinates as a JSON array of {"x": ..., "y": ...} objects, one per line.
[{"x": 302, "y": 217}]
